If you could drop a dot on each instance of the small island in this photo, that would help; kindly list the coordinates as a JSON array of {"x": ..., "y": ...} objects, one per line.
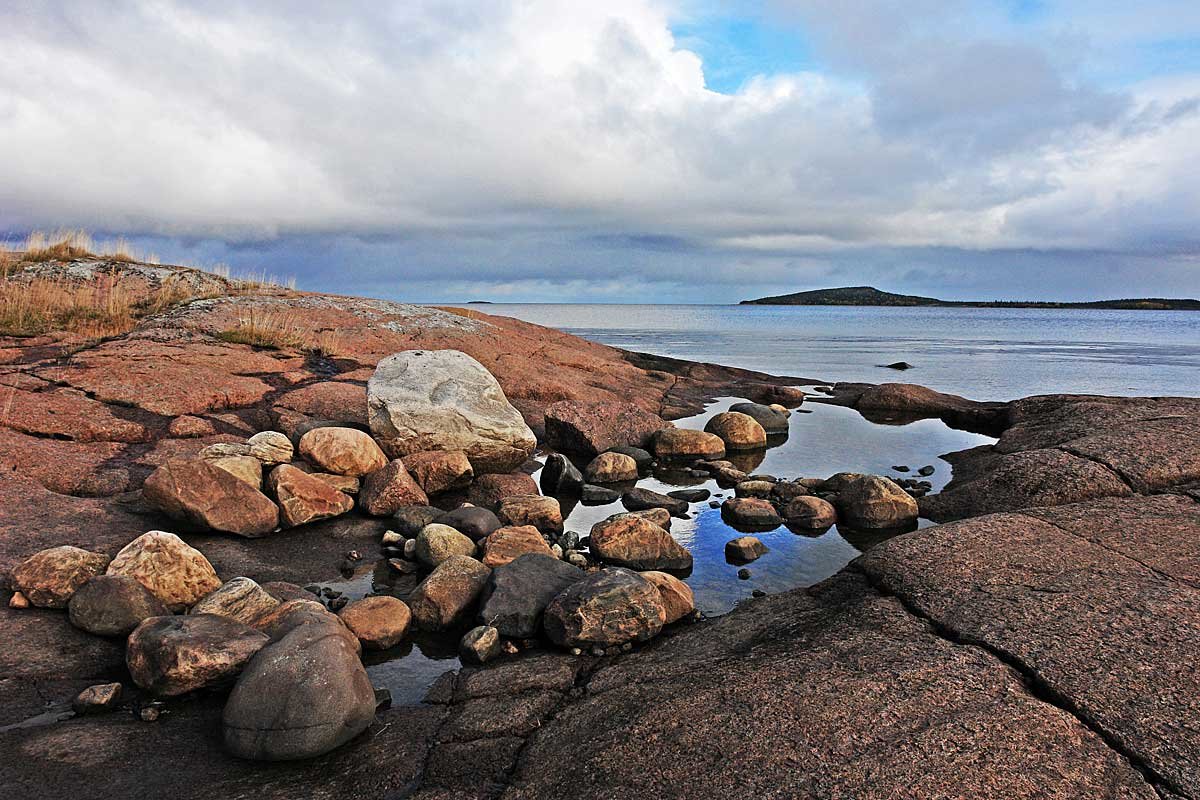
[{"x": 870, "y": 296}]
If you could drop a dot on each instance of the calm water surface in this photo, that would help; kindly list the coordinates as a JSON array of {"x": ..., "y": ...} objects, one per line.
[{"x": 982, "y": 353}]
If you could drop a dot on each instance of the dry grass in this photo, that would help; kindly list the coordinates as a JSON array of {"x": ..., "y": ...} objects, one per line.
[
  {"x": 96, "y": 309},
  {"x": 271, "y": 329},
  {"x": 326, "y": 344},
  {"x": 68, "y": 245},
  {"x": 252, "y": 281}
]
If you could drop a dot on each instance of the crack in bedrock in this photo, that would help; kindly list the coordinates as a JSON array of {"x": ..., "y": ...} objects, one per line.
[{"x": 1037, "y": 686}]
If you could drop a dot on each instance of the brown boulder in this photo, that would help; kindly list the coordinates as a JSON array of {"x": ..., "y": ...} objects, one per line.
[
  {"x": 347, "y": 484},
  {"x": 342, "y": 451},
  {"x": 611, "y": 468},
  {"x": 683, "y": 443},
  {"x": 744, "y": 549},
  {"x": 629, "y": 540},
  {"x": 271, "y": 447},
  {"x": 589, "y": 428},
  {"x": 506, "y": 544},
  {"x": 875, "y": 502},
  {"x": 438, "y": 471},
  {"x": 241, "y": 600},
  {"x": 50, "y": 577},
  {"x": 809, "y": 513},
  {"x": 305, "y": 498},
  {"x": 677, "y": 598},
  {"x": 448, "y": 594},
  {"x": 385, "y": 491},
  {"x": 379, "y": 621},
  {"x": 750, "y": 512},
  {"x": 174, "y": 572},
  {"x": 245, "y": 468},
  {"x": 610, "y": 607},
  {"x": 488, "y": 490},
  {"x": 174, "y": 655},
  {"x": 437, "y": 542},
  {"x": 113, "y": 605},
  {"x": 543, "y": 513},
  {"x": 197, "y": 492},
  {"x": 738, "y": 431}
]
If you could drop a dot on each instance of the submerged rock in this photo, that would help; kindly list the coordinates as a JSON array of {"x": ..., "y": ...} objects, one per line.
[
  {"x": 48, "y": 578},
  {"x": 592, "y": 495},
  {"x": 445, "y": 400},
  {"x": 607, "y": 608},
  {"x": 744, "y": 549},
  {"x": 772, "y": 420},
  {"x": 638, "y": 499}
]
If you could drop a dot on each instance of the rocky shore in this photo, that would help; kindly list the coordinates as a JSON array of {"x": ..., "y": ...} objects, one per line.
[{"x": 1038, "y": 644}]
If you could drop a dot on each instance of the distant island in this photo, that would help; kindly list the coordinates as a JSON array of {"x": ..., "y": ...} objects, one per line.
[{"x": 870, "y": 296}]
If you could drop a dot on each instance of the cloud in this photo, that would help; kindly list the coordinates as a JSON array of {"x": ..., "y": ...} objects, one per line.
[{"x": 537, "y": 143}]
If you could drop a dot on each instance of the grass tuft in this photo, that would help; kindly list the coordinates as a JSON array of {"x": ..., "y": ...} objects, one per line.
[{"x": 273, "y": 330}]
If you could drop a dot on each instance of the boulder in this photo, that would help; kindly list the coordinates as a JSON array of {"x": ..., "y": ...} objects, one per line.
[
  {"x": 839, "y": 481},
  {"x": 170, "y": 656},
  {"x": 471, "y": 521},
  {"x": 690, "y": 495},
  {"x": 771, "y": 419},
  {"x": 379, "y": 621},
  {"x": 638, "y": 499},
  {"x": 113, "y": 605},
  {"x": 284, "y": 591},
  {"x": 681, "y": 444},
  {"x": 677, "y": 598},
  {"x": 240, "y": 599},
  {"x": 198, "y": 493},
  {"x": 97, "y": 699},
  {"x": 437, "y": 542},
  {"x": 437, "y": 471},
  {"x": 445, "y": 400},
  {"x": 174, "y": 572},
  {"x": 593, "y": 495},
  {"x": 541, "y": 512},
  {"x": 560, "y": 477},
  {"x": 342, "y": 451},
  {"x": 809, "y": 513},
  {"x": 738, "y": 431},
  {"x": 785, "y": 491},
  {"x": 300, "y": 697},
  {"x": 632, "y": 541},
  {"x": 247, "y": 469},
  {"x": 611, "y": 468},
  {"x": 292, "y": 614},
  {"x": 304, "y": 498},
  {"x": 271, "y": 447},
  {"x": 343, "y": 483},
  {"x": 49, "y": 578},
  {"x": 760, "y": 489},
  {"x": 874, "y": 502},
  {"x": 609, "y": 607},
  {"x": 447, "y": 595},
  {"x": 506, "y": 544},
  {"x": 659, "y": 516},
  {"x": 488, "y": 490},
  {"x": 744, "y": 549},
  {"x": 479, "y": 645},
  {"x": 517, "y": 593},
  {"x": 641, "y": 457},
  {"x": 409, "y": 520},
  {"x": 590, "y": 428},
  {"x": 750, "y": 512},
  {"x": 385, "y": 491}
]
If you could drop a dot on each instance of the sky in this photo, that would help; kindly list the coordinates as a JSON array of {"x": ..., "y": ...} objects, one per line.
[{"x": 693, "y": 151}]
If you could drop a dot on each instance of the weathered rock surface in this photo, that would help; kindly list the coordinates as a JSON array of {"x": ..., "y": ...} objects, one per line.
[
  {"x": 560, "y": 477},
  {"x": 305, "y": 498},
  {"x": 245, "y": 468},
  {"x": 113, "y": 605},
  {"x": 472, "y": 521},
  {"x": 738, "y": 431},
  {"x": 342, "y": 451},
  {"x": 409, "y": 520},
  {"x": 240, "y": 599},
  {"x": 592, "y": 428},
  {"x": 300, "y": 697},
  {"x": 479, "y": 645},
  {"x": 49, "y": 578},
  {"x": 176, "y": 573},
  {"x": 437, "y": 542},
  {"x": 639, "y": 499},
  {"x": 677, "y": 598},
  {"x": 610, "y": 607},
  {"x": 448, "y": 594},
  {"x": 611, "y": 467},
  {"x": 206, "y": 496},
  {"x": 543, "y": 513},
  {"x": 97, "y": 699},
  {"x": 744, "y": 549},
  {"x": 174, "y": 655},
  {"x": 379, "y": 621},
  {"x": 445, "y": 400},
  {"x": 875, "y": 502},
  {"x": 488, "y": 490},
  {"x": 681, "y": 444},
  {"x": 385, "y": 491},
  {"x": 809, "y": 513},
  {"x": 517, "y": 593},
  {"x": 509, "y": 543},
  {"x": 772, "y": 420},
  {"x": 750, "y": 513},
  {"x": 632, "y": 541},
  {"x": 440, "y": 471},
  {"x": 271, "y": 447}
]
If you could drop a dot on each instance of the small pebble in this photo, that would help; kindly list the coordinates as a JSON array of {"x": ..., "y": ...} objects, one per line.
[
  {"x": 150, "y": 713},
  {"x": 557, "y": 551},
  {"x": 758, "y": 593},
  {"x": 18, "y": 600},
  {"x": 391, "y": 537},
  {"x": 575, "y": 651},
  {"x": 598, "y": 651},
  {"x": 410, "y": 548},
  {"x": 626, "y": 647},
  {"x": 901, "y": 468},
  {"x": 714, "y": 503},
  {"x": 383, "y": 699},
  {"x": 402, "y": 566},
  {"x": 509, "y": 648},
  {"x": 744, "y": 574},
  {"x": 314, "y": 588},
  {"x": 338, "y": 603},
  {"x": 926, "y": 470},
  {"x": 354, "y": 555},
  {"x": 329, "y": 591}
]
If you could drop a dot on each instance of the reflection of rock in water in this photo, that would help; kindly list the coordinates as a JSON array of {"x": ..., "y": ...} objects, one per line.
[
  {"x": 746, "y": 460},
  {"x": 891, "y": 417},
  {"x": 864, "y": 540}
]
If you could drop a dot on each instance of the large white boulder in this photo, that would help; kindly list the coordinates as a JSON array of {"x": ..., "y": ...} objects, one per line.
[{"x": 422, "y": 400}]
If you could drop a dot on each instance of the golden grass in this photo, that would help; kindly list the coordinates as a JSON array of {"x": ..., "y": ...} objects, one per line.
[
  {"x": 327, "y": 344},
  {"x": 70, "y": 244},
  {"x": 96, "y": 309},
  {"x": 252, "y": 281},
  {"x": 271, "y": 329}
]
